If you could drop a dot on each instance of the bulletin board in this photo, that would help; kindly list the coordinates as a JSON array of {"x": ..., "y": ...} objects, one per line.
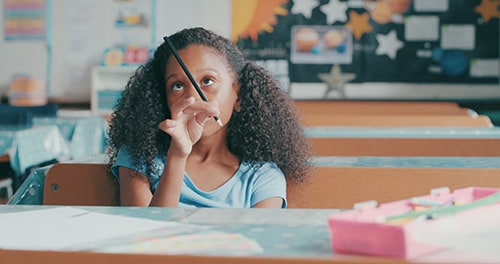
[{"x": 398, "y": 41}]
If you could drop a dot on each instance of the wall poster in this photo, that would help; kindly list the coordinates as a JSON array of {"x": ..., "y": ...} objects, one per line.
[
  {"x": 398, "y": 41},
  {"x": 24, "y": 19}
]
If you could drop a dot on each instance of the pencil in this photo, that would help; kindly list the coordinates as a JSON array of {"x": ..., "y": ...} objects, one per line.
[{"x": 193, "y": 81}]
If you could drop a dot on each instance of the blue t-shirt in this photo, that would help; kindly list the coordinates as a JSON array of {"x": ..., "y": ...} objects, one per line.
[{"x": 251, "y": 183}]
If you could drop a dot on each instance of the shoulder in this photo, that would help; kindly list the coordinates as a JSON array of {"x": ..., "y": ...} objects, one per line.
[
  {"x": 125, "y": 159},
  {"x": 266, "y": 180},
  {"x": 262, "y": 172}
]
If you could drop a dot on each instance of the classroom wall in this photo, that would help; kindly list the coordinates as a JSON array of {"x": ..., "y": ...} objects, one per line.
[{"x": 76, "y": 50}]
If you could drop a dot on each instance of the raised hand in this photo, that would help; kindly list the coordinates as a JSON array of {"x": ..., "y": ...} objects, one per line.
[{"x": 186, "y": 125}]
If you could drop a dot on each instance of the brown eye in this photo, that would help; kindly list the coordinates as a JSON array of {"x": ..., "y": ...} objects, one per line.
[
  {"x": 177, "y": 86},
  {"x": 207, "y": 82}
]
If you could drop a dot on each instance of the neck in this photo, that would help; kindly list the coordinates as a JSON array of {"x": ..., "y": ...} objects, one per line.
[{"x": 213, "y": 148}]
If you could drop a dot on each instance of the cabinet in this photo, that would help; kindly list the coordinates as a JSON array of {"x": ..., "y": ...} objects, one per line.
[{"x": 107, "y": 85}]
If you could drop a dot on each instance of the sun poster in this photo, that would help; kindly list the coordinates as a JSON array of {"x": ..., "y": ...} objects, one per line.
[
  {"x": 405, "y": 41},
  {"x": 259, "y": 29}
]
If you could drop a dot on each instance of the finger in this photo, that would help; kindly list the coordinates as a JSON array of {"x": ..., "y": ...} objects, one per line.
[
  {"x": 202, "y": 117},
  {"x": 167, "y": 125},
  {"x": 181, "y": 106},
  {"x": 202, "y": 107}
]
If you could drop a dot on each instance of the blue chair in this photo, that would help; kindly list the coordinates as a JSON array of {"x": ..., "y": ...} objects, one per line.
[
  {"x": 6, "y": 184},
  {"x": 6, "y": 181}
]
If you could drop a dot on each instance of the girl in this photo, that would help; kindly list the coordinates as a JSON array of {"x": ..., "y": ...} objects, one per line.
[{"x": 167, "y": 150}]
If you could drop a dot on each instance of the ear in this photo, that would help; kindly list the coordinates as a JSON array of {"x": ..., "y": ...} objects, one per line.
[{"x": 237, "y": 105}]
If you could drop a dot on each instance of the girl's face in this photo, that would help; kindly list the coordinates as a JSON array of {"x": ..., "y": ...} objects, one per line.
[{"x": 214, "y": 78}]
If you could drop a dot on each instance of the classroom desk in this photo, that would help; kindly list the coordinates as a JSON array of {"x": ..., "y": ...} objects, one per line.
[
  {"x": 407, "y": 162},
  {"x": 380, "y": 107},
  {"x": 342, "y": 141},
  {"x": 401, "y": 132},
  {"x": 31, "y": 191},
  {"x": 86, "y": 136},
  {"x": 52, "y": 138},
  {"x": 262, "y": 236},
  {"x": 32, "y": 146},
  {"x": 393, "y": 120}
]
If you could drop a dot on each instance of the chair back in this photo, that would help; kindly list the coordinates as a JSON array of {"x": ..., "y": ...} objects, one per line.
[
  {"x": 342, "y": 187},
  {"x": 328, "y": 187},
  {"x": 80, "y": 184}
]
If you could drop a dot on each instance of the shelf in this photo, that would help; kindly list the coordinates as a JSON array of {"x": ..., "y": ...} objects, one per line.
[{"x": 107, "y": 85}]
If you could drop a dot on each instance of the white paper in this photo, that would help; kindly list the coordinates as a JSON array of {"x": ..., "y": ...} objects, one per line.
[
  {"x": 485, "y": 68},
  {"x": 458, "y": 37},
  {"x": 420, "y": 28},
  {"x": 430, "y": 5},
  {"x": 66, "y": 227}
]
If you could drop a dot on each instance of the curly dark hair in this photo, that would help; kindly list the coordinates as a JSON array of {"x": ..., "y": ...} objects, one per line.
[{"x": 266, "y": 127}]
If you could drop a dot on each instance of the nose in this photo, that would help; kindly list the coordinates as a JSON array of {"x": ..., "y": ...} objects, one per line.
[{"x": 191, "y": 91}]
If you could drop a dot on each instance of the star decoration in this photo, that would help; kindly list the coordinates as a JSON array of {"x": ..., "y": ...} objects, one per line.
[
  {"x": 358, "y": 23},
  {"x": 488, "y": 9},
  {"x": 304, "y": 7},
  {"x": 388, "y": 44},
  {"x": 336, "y": 80},
  {"x": 335, "y": 11}
]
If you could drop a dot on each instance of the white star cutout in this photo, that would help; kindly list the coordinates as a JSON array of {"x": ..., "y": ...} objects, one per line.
[
  {"x": 335, "y": 11},
  {"x": 304, "y": 7},
  {"x": 336, "y": 80},
  {"x": 388, "y": 44}
]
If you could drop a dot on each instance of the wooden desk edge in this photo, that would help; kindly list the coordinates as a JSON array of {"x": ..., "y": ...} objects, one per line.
[{"x": 79, "y": 257}]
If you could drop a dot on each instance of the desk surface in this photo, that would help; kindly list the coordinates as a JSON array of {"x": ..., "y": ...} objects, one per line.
[
  {"x": 408, "y": 162},
  {"x": 402, "y": 132},
  {"x": 279, "y": 233},
  {"x": 275, "y": 230}
]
